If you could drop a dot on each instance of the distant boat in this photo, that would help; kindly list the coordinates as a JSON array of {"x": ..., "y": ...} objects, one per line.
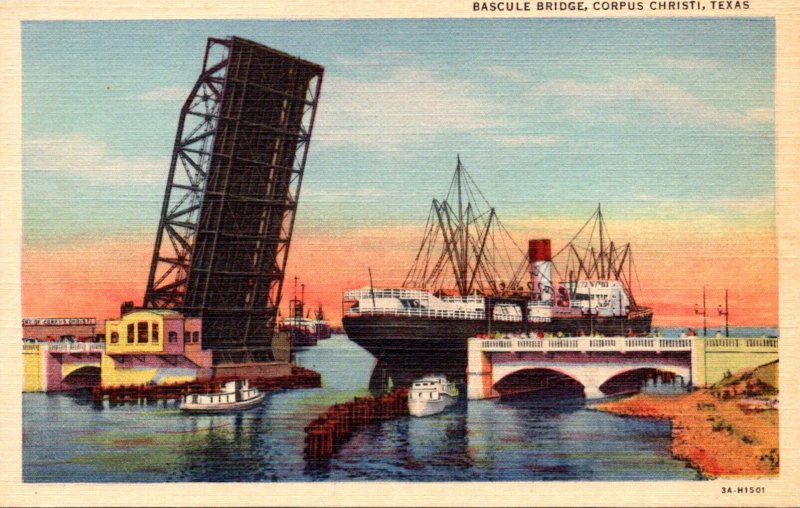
[
  {"x": 322, "y": 328},
  {"x": 431, "y": 395},
  {"x": 235, "y": 395},
  {"x": 302, "y": 330}
]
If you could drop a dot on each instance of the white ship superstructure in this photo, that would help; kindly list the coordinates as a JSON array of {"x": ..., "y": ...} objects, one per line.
[
  {"x": 235, "y": 395},
  {"x": 413, "y": 302},
  {"x": 597, "y": 298}
]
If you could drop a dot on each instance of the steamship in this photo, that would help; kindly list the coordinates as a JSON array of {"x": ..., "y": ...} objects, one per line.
[
  {"x": 469, "y": 279},
  {"x": 304, "y": 331}
]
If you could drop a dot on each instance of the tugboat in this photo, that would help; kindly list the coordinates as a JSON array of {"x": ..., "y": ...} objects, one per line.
[
  {"x": 431, "y": 395},
  {"x": 469, "y": 278},
  {"x": 235, "y": 395}
]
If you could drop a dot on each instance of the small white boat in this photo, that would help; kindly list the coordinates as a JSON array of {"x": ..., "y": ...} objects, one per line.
[
  {"x": 431, "y": 395},
  {"x": 235, "y": 395}
]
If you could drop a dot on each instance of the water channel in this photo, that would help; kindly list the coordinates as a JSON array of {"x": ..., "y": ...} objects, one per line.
[{"x": 67, "y": 439}]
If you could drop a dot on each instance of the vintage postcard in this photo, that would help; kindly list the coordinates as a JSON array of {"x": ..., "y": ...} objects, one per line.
[{"x": 476, "y": 253}]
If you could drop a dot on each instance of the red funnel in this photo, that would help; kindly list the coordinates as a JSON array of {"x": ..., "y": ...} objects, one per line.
[{"x": 539, "y": 250}]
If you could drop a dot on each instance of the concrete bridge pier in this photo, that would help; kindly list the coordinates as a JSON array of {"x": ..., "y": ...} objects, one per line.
[
  {"x": 61, "y": 366},
  {"x": 592, "y": 391},
  {"x": 480, "y": 382}
]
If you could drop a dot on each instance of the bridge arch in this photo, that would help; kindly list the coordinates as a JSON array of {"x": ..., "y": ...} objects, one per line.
[
  {"x": 632, "y": 379},
  {"x": 548, "y": 381},
  {"x": 85, "y": 376},
  {"x": 591, "y": 376}
]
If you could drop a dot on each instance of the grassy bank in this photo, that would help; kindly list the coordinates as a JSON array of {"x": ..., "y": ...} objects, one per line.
[{"x": 730, "y": 429}]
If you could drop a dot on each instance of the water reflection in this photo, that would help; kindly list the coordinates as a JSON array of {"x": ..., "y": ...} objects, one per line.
[
  {"x": 229, "y": 449},
  {"x": 82, "y": 397},
  {"x": 437, "y": 441}
]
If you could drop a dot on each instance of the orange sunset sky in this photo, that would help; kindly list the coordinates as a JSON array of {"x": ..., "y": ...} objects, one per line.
[{"x": 92, "y": 280}]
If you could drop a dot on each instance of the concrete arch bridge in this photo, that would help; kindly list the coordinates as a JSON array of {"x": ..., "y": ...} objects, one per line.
[
  {"x": 603, "y": 366},
  {"x": 61, "y": 366}
]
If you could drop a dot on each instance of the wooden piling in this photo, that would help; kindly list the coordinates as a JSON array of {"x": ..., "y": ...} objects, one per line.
[
  {"x": 299, "y": 378},
  {"x": 329, "y": 431}
]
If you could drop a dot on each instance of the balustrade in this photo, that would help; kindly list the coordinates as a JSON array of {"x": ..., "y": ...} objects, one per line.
[
  {"x": 66, "y": 347},
  {"x": 583, "y": 344},
  {"x": 621, "y": 344}
]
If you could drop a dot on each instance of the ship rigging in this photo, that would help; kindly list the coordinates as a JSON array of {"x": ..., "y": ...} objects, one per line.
[
  {"x": 608, "y": 262},
  {"x": 465, "y": 247},
  {"x": 467, "y": 251}
]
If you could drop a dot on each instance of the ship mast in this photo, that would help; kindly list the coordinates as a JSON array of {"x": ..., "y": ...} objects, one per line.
[
  {"x": 607, "y": 262},
  {"x": 602, "y": 245},
  {"x": 462, "y": 272},
  {"x": 462, "y": 227},
  {"x": 469, "y": 241}
]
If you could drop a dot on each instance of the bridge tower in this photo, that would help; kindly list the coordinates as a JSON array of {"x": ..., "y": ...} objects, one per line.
[{"x": 229, "y": 206}]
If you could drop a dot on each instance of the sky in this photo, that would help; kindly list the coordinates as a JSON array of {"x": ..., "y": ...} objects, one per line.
[{"x": 669, "y": 123}]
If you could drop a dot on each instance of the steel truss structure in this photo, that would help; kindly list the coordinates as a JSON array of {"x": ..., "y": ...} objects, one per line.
[{"x": 231, "y": 196}]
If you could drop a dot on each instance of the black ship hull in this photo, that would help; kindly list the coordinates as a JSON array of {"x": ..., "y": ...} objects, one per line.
[
  {"x": 301, "y": 337},
  {"x": 323, "y": 331},
  {"x": 409, "y": 347}
]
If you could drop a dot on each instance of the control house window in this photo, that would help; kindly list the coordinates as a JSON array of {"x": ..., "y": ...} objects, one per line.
[
  {"x": 141, "y": 328},
  {"x": 187, "y": 337},
  {"x": 173, "y": 336},
  {"x": 155, "y": 333},
  {"x": 130, "y": 333},
  {"x": 195, "y": 336},
  {"x": 114, "y": 337}
]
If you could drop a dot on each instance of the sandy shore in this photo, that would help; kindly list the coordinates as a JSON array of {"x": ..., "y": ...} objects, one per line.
[{"x": 718, "y": 437}]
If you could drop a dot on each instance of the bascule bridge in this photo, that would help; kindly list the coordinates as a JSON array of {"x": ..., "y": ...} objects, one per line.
[{"x": 232, "y": 192}]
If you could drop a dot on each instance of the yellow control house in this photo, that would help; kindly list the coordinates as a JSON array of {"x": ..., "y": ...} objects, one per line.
[{"x": 150, "y": 346}]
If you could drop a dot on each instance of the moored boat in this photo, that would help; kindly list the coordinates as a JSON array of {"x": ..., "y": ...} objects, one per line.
[
  {"x": 235, "y": 395},
  {"x": 431, "y": 395}
]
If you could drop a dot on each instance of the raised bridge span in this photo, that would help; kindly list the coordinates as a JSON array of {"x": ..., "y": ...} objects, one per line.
[{"x": 598, "y": 363}]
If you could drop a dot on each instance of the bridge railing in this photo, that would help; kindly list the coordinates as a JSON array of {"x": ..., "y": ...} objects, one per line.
[
  {"x": 623, "y": 344},
  {"x": 583, "y": 344},
  {"x": 68, "y": 347},
  {"x": 738, "y": 343}
]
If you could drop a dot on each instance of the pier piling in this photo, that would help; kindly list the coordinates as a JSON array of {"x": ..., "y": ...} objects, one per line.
[
  {"x": 329, "y": 431},
  {"x": 299, "y": 378}
]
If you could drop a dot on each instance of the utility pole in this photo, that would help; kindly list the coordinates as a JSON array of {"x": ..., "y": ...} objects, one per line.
[
  {"x": 697, "y": 311},
  {"x": 293, "y": 303}
]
